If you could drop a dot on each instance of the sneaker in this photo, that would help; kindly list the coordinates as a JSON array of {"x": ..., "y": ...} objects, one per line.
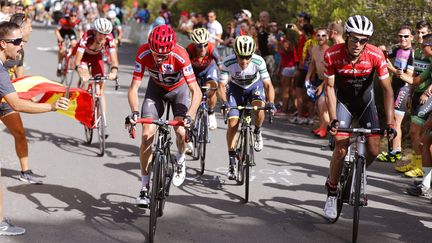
[
  {"x": 415, "y": 172},
  {"x": 231, "y": 172},
  {"x": 258, "y": 146},
  {"x": 6, "y": 228},
  {"x": 58, "y": 73},
  {"x": 179, "y": 173},
  {"x": 330, "y": 210},
  {"x": 294, "y": 120},
  {"x": 419, "y": 190},
  {"x": 28, "y": 176},
  {"x": 143, "y": 200},
  {"x": 189, "y": 148},
  {"x": 386, "y": 157},
  {"x": 212, "y": 122}
]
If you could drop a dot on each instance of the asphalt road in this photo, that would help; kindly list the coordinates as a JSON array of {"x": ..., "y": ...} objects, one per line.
[{"x": 86, "y": 198}]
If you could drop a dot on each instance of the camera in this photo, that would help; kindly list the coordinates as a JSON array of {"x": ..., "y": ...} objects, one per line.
[{"x": 288, "y": 26}]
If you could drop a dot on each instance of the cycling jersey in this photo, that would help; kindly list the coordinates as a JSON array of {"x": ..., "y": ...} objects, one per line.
[
  {"x": 116, "y": 27},
  {"x": 173, "y": 72},
  {"x": 254, "y": 72},
  {"x": 68, "y": 28},
  {"x": 422, "y": 64},
  {"x": 403, "y": 60},
  {"x": 201, "y": 63},
  {"x": 89, "y": 38}
]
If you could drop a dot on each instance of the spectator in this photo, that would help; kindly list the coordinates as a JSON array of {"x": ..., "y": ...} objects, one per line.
[
  {"x": 335, "y": 32},
  {"x": 158, "y": 21},
  {"x": 5, "y": 10},
  {"x": 244, "y": 27},
  {"x": 214, "y": 28},
  {"x": 263, "y": 40},
  {"x": 185, "y": 23},
  {"x": 228, "y": 35},
  {"x": 143, "y": 15},
  {"x": 166, "y": 14}
]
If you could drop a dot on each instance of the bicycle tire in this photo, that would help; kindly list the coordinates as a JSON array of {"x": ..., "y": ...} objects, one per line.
[
  {"x": 154, "y": 188},
  {"x": 63, "y": 72},
  {"x": 357, "y": 193},
  {"x": 240, "y": 157},
  {"x": 101, "y": 128},
  {"x": 196, "y": 135},
  {"x": 162, "y": 181},
  {"x": 248, "y": 162},
  {"x": 343, "y": 192},
  {"x": 203, "y": 137}
]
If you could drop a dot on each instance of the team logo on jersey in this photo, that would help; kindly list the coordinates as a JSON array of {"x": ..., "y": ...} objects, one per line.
[
  {"x": 138, "y": 67},
  {"x": 167, "y": 68},
  {"x": 188, "y": 70}
]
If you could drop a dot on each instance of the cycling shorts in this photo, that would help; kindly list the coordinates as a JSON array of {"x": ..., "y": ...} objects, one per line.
[
  {"x": 421, "y": 112},
  {"x": 288, "y": 72},
  {"x": 209, "y": 74},
  {"x": 365, "y": 112},
  {"x": 237, "y": 96},
  {"x": 70, "y": 32},
  {"x": 401, "y": 98},
  {"x": 95, "y": 62},
  {"x": 156, "y": 97},
  {"x": 5, "y": 109},
  {"x": 300, "y": 80}
]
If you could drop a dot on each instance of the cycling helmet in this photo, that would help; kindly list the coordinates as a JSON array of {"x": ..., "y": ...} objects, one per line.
[
  {"x": 111, "y": 14},
  {"x": 359, "y": 25},
  {"x": 103, "y": 26},
  {"x": 162, "y": 39},
  {"x": 244, "y": 45},
  {"x": 200, "y": 36}
]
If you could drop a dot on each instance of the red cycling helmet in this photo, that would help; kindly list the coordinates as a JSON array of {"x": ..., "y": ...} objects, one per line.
[{"x": 162, "y": 39}]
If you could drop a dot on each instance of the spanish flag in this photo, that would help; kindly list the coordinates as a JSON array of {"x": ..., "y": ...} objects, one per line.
[{"x": 80, "y": 106}]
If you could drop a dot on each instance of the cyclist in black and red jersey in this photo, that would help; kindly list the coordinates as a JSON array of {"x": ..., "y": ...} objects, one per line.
[
  {"x": 349, "y": 74},
  {"x": 70, "y": 26},
  {"x": 205, "y": 60}
]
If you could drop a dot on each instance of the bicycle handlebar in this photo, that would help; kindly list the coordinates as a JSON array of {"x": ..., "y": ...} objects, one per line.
[
  {"x": 253, "y": 108},
  {"x": 158, "y": 122},
  {"x": 104, "y": 79},
  {"x": 357, "y": 131}
]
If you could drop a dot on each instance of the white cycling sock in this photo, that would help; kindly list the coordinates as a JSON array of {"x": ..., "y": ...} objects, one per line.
[
  {"x": 144, "y": 181},
  {"x": 180, "y": 157},
  {"x": 427, "y": 177}
]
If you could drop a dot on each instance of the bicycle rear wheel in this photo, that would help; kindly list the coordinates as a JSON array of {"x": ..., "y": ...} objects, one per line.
[
  {"x": 100, "y": 127},
  {"x": 203, "y": 137},
  {"x": 357, "y": 193},
  {"x": 154, "y": 194}
]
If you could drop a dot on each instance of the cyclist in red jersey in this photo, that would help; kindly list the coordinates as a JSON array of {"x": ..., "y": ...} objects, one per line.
[
  {"x": 205, "y": 60},
  {"x": 349, "y": 74},
  {"x": 69, "y": 25},
  {"x": 171, "y": 80},
  {"x": 89, "y": 52}
]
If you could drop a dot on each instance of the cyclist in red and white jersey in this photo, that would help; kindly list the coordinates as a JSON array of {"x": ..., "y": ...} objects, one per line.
[
  {"x": 205, "y": 60},
  {"x": 349, "y": 74},
  {"x": 171, "y": 80},
  {"x": 89, "y": 53}
]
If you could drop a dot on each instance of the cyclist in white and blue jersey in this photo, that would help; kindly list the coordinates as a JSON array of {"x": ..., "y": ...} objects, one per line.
[{"x": 249, "y": 82}]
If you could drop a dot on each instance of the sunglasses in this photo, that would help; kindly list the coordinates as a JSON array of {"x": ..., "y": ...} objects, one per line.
[
  {"x": 245, "y": 57},
  {"x": 159, "y": 56},
  {"x": 404, "y": 36},
  {"x": 362, "y": 41},
  {"x": 324, "y": 35},
  {"x": 15, "y": 42},
  {"x": 202, "y": 45}
]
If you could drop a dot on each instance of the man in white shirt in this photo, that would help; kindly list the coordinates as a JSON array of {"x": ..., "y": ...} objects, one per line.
[{"x": 214, "y": 27}]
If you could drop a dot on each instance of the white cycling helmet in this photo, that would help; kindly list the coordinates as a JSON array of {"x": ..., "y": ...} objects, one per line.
[
  {"x": 111, "y": 14},
  {"x": 103, "y": 26},
  {"x": 244, "y": 45},
  {"x": 200, "y": 36},
  {"x": 359, "y": 25}
]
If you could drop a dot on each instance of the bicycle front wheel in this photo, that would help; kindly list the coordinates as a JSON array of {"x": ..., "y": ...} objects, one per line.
[
  {"x": 101, "y": 128},
  {"x": 249, "y": 162},
  {"x": 203, "y": 137},
  {"x": 162, "y": 182},
  {"x": 357, "y": 193},
  {"x": 154, "y": 194},
  {"x": 196, "y": 135},
  {"x": 241, "y": 157}
]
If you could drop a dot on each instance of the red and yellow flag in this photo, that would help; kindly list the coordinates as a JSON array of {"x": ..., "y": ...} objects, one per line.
[{"x": 80, "y": 106}]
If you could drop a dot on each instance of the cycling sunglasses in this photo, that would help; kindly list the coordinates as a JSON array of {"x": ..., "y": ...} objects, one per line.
[
  {"x": 245, "y": 57},
  {"x": 355, "y": 40},
  {"x": 202, "y": 45},
  {"x": 159, "y": 56},
  {"x": 15, "y": 42}
]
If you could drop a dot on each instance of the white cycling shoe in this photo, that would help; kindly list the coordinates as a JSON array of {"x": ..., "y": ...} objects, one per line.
[
  {"x": 330, "y": 208},
  {"x": 179, "y": 171}
]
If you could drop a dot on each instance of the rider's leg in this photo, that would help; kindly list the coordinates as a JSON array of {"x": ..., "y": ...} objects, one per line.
[
  {"x": 373, "y": 147},
  {"x": 148, "y": 131},
  {"x": 336, "y": 163},
  {"x": 397, "y": 141},
  {"x": 211, "y": 94}
]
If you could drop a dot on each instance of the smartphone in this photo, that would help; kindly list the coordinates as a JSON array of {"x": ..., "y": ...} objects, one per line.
[{"x": 288, "y": 26}]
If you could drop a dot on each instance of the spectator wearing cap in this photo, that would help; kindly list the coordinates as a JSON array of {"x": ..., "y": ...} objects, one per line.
[
  {"x": 214, "y": 28},
  {"x": 185, "y": 23}
]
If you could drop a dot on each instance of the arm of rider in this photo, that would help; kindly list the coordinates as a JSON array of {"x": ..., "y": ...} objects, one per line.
[
  {"x": 133, "y": 96},
  {"x": 270, "y": 94},
  {"x": 331, "y": 103},
  {"x": 59, "y": 38},
  {"x": 388, "y": 99},
  {"x": 26, "y": 106},
  {"x": 222, "y": 92},
  {"x": 114, "y": 67},
  {"x": 196, "y": 95}
]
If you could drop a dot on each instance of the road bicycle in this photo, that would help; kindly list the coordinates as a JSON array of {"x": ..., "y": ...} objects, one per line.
[
  {"x": 352, "y": 184},
  {"x": 200, "y": 132},
  {"x": 245, "y": 144},
  {"x": 66, "y": 71},
  {"x": 99, "y": 118},
  {"x": 162, "y": 167}
]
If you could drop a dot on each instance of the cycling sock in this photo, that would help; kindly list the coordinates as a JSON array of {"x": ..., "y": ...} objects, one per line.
[
  {"x": 144, "y": 181},
  {"x": 59, "y": 66},
  {"x": 210, "y": 111},
  {"x": 427, "y": 177},
  {"x": 180, "y": 157},
  {"x": 257, "y": 130},
  {"x": 232, "y": 155},
  {"x": 331, "y": 189}
]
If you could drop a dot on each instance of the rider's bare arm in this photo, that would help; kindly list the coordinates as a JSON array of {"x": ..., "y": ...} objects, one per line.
[
  {"x": 133, "y": 94},
  {"x": 388, "y": 99},
  {"x": 196, "y": 95},
  {"x": 330, "y": 97},
  {"x": 269, "y": 90}
]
